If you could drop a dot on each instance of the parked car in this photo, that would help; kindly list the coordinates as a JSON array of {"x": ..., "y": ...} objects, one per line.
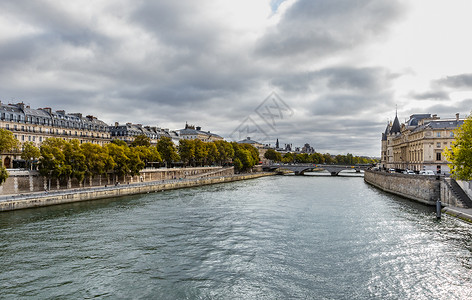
[
  {"x": 427, "y": 172},
  {"x": 409, "y": 172}
]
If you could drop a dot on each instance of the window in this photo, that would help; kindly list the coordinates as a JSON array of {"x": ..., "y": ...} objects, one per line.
[
  {"x": 22, "y": 137},
  {"x": 438, "y": 145},
  {"x": 7, "y": 126},
  {"x": 438, "y": 156},
  {"x": 438, "y": 134},
  {"x": 451, "y": 134}
]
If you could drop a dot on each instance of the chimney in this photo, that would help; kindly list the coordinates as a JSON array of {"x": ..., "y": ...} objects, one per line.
[
  {"x": 61, "y": 112},
  {"x": 48, "y": 110},
  {"x": 457, "y": 117}
]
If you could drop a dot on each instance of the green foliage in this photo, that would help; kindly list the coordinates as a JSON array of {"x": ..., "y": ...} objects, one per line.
[
  {"x": 119, "y": 143},
  {"x": 167, "y": 149},
  {"x": 201, "y": 152},
  {"x": 141, "y": 140},
  {"x": 52, "y": 161},
  {"x": 119, "y": 158},
  {"x": 8, "y": 141},
  {"x": 273, "y": 155},
  {"x": 225, "y": 151},
  {"x": 245, "y": 156},
  {"x": 213, "y": 154},
  {"x": 3, "y": 174},
  {"x": 97, "y": 160},
  {"x": 30, "y": 151},
  {"x": 460, "y": 154},
  {"x": 187, "y": 151},
  {"x": 288, "y": 158}
]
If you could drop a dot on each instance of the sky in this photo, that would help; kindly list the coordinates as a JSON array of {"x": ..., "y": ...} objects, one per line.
[{"x": 330, "y": 73}]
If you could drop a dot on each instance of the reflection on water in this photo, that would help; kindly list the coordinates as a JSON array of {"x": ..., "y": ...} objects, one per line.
[{"x": 272, "y": 238}]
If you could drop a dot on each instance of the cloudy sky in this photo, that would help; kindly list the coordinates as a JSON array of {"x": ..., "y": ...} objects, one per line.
[{"x": 325, "y": 72}]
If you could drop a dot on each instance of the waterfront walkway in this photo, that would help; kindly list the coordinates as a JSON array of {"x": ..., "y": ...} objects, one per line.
[{"x": 461, "y": 213}]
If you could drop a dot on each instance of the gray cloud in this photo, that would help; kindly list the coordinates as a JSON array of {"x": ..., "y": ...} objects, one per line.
[
  {"x": 323, "y": 28},
  {"x": 456, "y": 81},
  {"x": 164, "y": 63},
  {"x": 430, "y": 95}
]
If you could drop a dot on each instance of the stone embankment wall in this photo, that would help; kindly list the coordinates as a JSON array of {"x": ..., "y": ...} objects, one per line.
[
  {"x": 423, "y": 189},
  {"x": 47, "y": 199},
  {"x": 24, "y": 181}
]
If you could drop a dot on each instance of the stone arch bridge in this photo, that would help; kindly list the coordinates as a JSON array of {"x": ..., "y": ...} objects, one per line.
[{"x": 300, "y": 169}]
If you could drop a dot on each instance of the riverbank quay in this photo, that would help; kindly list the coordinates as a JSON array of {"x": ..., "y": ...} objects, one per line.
[
  {"x": 464, "y": 214},
  {"x": 40, "y": 199},
  {"x": 22, "y": 181},
  {"x": 425, "y": 189}
]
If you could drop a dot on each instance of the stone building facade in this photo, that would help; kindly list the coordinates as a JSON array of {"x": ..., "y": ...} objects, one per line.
[
  {"x": 190, "y": 132},
  {"x": 419, "y": 143},
  {"x": 37, "y": 125},
  {"x": 128, "y": 132}
]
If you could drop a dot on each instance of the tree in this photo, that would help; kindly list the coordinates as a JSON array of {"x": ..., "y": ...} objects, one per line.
[
  {"x": 213, "y": 153},
  {"x": 460, "y": 154},
  {"x": 52, "y": 160},
  {"x": 225, "y": 151},
  {"x": 167, "y": 149},
  {"x": 187, "y": 151},
  {"x": 30, "y": 152},
  {"x": 287, "y": 158},
  {"x": 96, "y": 159},
  {"x": 120, "y": 160},
  {"x": 201, "y": 152},
  {"x": 141, "y": 140},
  {"x": 245, "y": 156},
  {"x": 74, "y": 160},
  {"x": 273, "y": 155},
  {"x": 8, "y": 141},
  {"x": 135, "y": 163}
]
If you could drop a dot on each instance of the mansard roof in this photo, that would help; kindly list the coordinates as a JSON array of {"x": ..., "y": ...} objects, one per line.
[
  {"x": 440, "y": 124},
  {"x": 414, "y": 119}
]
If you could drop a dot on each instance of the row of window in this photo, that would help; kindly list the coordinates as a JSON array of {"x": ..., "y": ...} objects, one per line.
[{"x": 48, "y": 122}]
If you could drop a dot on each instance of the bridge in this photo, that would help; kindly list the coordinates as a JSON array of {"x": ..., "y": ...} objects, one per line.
[{"x": 300, "y": 169}]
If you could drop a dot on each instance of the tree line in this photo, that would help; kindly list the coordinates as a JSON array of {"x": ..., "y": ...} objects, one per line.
[
  {"x": 65, "y": 159},
  {"x": 317, "y": 158}
]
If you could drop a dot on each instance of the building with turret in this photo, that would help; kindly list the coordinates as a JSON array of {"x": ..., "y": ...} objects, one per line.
[{"x": 419, "y": 143}]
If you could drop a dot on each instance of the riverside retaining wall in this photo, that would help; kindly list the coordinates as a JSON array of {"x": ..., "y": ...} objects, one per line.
[
  {"x": 25, "y": 181},
  {"x": 424, "y": 189},
  {"x": 47, "y": 199}
]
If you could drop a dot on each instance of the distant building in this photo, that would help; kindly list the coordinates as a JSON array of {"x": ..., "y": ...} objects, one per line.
[
  {"x": 419, "y": 143},
  {"x": 128, "y": 132},
  {"x": 308, "y": 149},
  {"x": 190, "y": 132},
  {"x": 37, "y": 125}
]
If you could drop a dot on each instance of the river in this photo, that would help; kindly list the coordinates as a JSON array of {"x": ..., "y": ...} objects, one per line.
[{"x": 279, "y": 237}]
